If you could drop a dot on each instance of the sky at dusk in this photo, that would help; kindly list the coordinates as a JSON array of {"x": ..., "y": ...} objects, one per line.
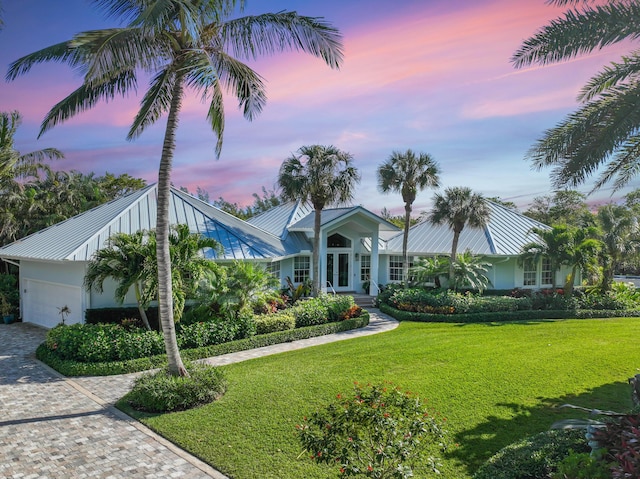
[{"x": 430, "y": 75}]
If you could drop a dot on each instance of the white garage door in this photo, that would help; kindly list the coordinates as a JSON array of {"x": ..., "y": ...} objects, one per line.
[{"x": 41, "y": 302}]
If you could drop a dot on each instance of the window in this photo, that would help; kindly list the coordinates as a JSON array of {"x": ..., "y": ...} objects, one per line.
[
  {"x": 274, "y": 269},
  {"x": 395, "y": 268},
  {"x": 338, "y": 241},
  {"x": 365, "y": 267},
  {"x": 301, "y": 268},
  {"x": 530, "y": 273},
  {"x": 547, "y": 274}
]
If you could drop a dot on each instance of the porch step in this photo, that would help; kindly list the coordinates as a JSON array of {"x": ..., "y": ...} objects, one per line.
[{"x": 363, "y": 300}]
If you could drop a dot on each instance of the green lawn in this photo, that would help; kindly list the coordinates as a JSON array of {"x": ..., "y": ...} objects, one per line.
[{"x": 495, "y": 383}]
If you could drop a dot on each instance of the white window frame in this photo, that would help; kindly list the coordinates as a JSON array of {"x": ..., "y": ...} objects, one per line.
[{"x": 301, "y": 269}]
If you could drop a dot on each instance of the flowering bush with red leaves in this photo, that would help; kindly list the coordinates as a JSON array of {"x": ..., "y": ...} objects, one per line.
[{"x": 379, "y": 432}]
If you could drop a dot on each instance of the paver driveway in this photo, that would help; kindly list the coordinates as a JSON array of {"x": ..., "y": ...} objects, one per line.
[{"x": 53, "y": 427}]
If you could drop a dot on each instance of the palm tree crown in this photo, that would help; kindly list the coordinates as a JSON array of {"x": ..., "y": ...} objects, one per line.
[
  {"x": 605, "y": 130},
  {"x": 322, "y": 175},
  {"x": 457, "y": 208},
  {"x": 406, "y": 173},
  {"x": 181, "y": 44},
  {"x": 14, "y": 164}
]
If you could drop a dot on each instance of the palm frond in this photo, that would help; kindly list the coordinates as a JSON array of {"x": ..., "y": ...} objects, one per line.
[
  {"x": 624, "y": 166},
  {"x": 156, "y": 102},
  {"x": 254, "y": 36},
  {"x": 85, "y": 97},
  {"x": 109, "y": 52},
  {"x": 612, "y": 76},
  {"x": 215, "y": 115},
  {"x": 580, "y": 32},
  {"x": 588, "y": 137},
  {"x": 60, "y": 52}
]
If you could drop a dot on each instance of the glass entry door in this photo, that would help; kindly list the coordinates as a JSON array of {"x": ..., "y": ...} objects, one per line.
[{"x": 338, "y": 271}]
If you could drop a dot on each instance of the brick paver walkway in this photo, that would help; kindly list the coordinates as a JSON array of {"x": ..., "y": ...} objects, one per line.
[{"x": 56, "y": 427}]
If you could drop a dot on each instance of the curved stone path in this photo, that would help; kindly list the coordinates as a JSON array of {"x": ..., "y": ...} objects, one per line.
[{"x": 57, "y": 427}]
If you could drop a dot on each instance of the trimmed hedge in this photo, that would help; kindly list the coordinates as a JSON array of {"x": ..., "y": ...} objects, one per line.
[
  {"x": 272, "y": 322},
  {"x": 75, "y": 368},
  {"x": 502, "y": 316}
]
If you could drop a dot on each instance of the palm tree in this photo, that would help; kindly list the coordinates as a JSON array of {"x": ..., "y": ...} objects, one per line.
[
  {"x": 459, "y": 207},
  {"x": 323, "y": 175},
  {"x": 619, "y": 236},
  {"x": 406, "y": 173},
  {"x": 123, "y": 260},
  {"x": 563, "y": 245},
  {"x": 189, "y": 265},
  {"x": 130, "y": 260},
  {"x": 16, "y": 165},
  {"x": 582, "y": 254},
  {"x": 604, "y": 130},
  {"x": 551, "y": 244},
  {"x": 470, "y": 271},
  {"x": 182, "y": 44}
]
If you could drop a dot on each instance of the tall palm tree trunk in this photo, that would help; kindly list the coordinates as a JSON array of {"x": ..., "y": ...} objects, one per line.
[
  {"x": 405, "y": 242},
  {"x": 316, "y": 251},
  {"x": 165, "y": 292},
  {"x": 454, "y": 252}
]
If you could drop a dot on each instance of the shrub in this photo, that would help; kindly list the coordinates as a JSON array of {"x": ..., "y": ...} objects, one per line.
[
  {"x": 582, "y": 466},
  {"x": 378, "y": 431},
  {"x": 621, "y": 441},
  {"x": 83, "y": 342},
  {"x": 309, "y": 312},
  {"x": 354, "y": 311},
  {"x": 533, "y": 457},
  {"x": 98, "y": 344},
  {"x": 449, "y": 302},
  {"x": 337, "y": 305},
  {"x": 117, "y": 315},
  {"x": 75, "y": 368},
  {"x": 269, "y": 323},
  {"x": 161, "y": 392},
  {"x": 200, "y": 334},
  {"x": 138, "y": 343}
]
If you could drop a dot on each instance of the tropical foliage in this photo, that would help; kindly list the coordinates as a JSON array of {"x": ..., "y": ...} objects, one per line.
[
  {"x": 324, "y": 176},
  {"x": 604, "y": 131},
  {"x": 407, "y": 173},
  {"x": 186, "y": 44},
  {"x": 457, "y": 208},
  {"x": 563, "y": 245},
  {"x": 130, "y": 260}
]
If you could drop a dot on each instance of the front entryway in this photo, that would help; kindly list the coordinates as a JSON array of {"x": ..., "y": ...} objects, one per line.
[{"x": 338, "y": 271}]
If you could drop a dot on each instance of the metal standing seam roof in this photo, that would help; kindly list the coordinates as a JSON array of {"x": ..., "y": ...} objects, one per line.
[
  {"x": 77, "y": 238},
  {"x": 277, "y": 219},
  {"x": 505, "y": 235},
  {"x": 335, "y": 214}
]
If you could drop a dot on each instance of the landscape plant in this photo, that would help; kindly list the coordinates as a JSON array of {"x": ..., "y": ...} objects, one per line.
[
  {"x": 161, "y": 391},
  {"x": 457, "y": 208},
  {"x": 407, "y": 173},
  {"x": 378, "y": 431},
  {"x": 322, "y": 175}
]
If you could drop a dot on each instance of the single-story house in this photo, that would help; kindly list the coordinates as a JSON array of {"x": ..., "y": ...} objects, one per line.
[{"x": 356, "y": 246}]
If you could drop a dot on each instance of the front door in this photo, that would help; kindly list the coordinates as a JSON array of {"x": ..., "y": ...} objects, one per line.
[{"x": 338, "y": 274}]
